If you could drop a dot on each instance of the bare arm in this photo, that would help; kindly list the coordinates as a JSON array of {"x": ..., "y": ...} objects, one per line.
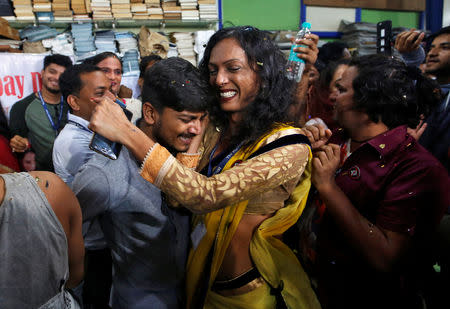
[{"x": 67, "y": 210}]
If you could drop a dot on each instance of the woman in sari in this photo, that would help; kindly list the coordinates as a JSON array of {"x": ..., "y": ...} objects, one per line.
[{"x": 254, "y": 179}]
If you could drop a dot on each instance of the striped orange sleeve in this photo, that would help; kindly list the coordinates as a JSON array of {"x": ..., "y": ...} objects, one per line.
[{"x": 156, "y": 164}]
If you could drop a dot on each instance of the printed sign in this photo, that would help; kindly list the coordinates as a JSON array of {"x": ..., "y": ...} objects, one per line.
[{"x": 20, "y": 75}]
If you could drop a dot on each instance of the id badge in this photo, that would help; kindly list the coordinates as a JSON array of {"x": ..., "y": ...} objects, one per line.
[{"x": 197, "y": 234}]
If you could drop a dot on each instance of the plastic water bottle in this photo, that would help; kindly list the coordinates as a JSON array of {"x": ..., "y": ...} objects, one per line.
[{"x": 296, "y": 65}]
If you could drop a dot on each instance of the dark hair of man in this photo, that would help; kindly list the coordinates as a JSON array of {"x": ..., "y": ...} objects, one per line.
[
  {"x": 330, "y": 52},
  {"x": 145, "y": 61},
  {"x": 389, "y": 91},
  {"x": 102, "y": 56},
  {"x": 445, "y": 30},
  {"x": 327, "y": 74},
  {"x": 70, "y": 81},
  {"x": 275, "y": 94},
  {"x": 58, "y": 59},
  {"x": 177, "y": 84}
]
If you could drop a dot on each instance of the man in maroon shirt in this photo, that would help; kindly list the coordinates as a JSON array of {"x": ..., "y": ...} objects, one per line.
[{"x": 384, "y": 193}]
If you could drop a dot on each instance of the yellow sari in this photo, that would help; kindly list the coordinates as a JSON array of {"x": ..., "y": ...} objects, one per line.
[{"x": 274, "y": 260}]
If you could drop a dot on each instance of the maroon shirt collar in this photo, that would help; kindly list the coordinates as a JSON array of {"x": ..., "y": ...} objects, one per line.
[{"x": 383, "y": 143}]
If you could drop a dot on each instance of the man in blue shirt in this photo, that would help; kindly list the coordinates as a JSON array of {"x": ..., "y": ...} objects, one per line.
[
  {"x": 148, "y": 240},
  {"x": 436, "y": 137},
  {"x": 81, "y": 85}
]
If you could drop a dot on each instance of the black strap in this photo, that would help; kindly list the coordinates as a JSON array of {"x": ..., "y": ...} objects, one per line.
[
  {"x": 281, "y": 303},
  {"x": 283, "y": 141},
  {"x": 237, "y": 282}
]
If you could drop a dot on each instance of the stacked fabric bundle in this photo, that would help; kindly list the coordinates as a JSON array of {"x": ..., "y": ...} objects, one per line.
[
  {"x": 43, "y": 10},
  {"x": 154, "y": 9},
  {"x": 101, "y": 9},
  {"x": 23, "y": 9},
  {"x": 128, "y": 48},
  {"x": 130, "y": 63},
  {"x": 360, "y": 36},
  {"x": 171, "y": 10},
  {"x": 105, "y": 41},
  {"x": 207, "y": 9},
  {"x": 83, "y": 40},
  {"x": 139, "y": 9},
  {"x": 121, "y": 8},
  {"x": 80, "y": 9},
  {"x": 126, "y": 41},
  {"x": 61, "y": 44},
  {"x": 189, "y": 10},
  {"x": 37, "y": 33},
  {"x": 61, "y": 10},
  {"x": 185, "y": 45}
]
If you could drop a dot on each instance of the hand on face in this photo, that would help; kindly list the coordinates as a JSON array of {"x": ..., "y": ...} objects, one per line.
[
  {"x": 325, "y": 163},
  {"x": 407, "y": 41},
  {"x": 310, "y": 51},
  {"x": 197, "y": 140},
  {"x": 108, "y": 119},
  {"x": 19, "y": 143}
]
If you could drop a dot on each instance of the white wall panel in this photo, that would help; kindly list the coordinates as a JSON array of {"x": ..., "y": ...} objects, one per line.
[{"x": 328, "y": 19}]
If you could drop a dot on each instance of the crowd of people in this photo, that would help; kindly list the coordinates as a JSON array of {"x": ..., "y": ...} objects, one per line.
[{"x": 235, "y": 187}]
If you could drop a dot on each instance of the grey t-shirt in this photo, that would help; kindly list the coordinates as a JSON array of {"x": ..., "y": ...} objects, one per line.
[
  {"x": 33, "y": 246},
  {"x": 148, "y": 240}
]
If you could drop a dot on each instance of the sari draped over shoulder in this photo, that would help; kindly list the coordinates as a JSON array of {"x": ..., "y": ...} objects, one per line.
[{"x": 274, "y": 260}]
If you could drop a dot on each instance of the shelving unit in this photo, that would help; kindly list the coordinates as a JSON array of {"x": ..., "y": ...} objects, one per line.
[{"x": 127, "y": 23}]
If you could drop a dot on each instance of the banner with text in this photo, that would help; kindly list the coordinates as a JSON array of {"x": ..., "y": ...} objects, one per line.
[{"x": 20, "y": 75}]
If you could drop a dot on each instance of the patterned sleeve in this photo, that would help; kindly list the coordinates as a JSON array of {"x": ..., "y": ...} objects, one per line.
[
  {"x": 188, "y": 159},
  {"x": 203, "y": 194}
]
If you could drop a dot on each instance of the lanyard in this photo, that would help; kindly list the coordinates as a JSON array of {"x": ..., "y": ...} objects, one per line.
[
  {"x": 222, "y": 163},
  {"x": 79, "y": 126},
  {"x": 44, "y": 105},
  {"x": 446, "y": 101}
]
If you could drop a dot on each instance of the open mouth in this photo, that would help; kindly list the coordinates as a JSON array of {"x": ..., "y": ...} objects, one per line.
[
  {"x": 186, "y": 139},
  {"x": 227, "y": 94}
]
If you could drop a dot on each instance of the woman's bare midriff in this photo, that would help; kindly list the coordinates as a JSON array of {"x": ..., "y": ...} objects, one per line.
[{"x": 237, "y": 258}]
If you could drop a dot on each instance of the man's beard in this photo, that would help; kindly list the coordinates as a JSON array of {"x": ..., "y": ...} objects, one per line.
[
  {"x": 159, "y": 139},
  {"x": 52, "y": 90},
  {"x": 442, "y": 71}
]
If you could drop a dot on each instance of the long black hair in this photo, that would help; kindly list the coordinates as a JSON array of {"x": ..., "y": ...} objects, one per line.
[
  {"x": 275, "y": 94},
  {"x": 389, "y": 91}
]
